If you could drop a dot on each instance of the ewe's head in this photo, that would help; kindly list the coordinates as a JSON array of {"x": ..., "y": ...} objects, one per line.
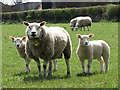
[
  {"x": 34, "y": 29},
  {"x": 72, "y": 24},
  {"x": 84, "y": 39},
  {"x": 18, "y": 41}
]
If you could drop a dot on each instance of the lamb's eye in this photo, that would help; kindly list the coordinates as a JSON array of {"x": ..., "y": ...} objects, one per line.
[
  {"x": 81, "y": 38},
  {"x": 29, "y": 27},
  {"x": 20, "y": 41}
]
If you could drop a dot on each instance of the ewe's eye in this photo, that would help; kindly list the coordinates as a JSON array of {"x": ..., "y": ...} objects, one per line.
[{"x": 38, "y": 28}]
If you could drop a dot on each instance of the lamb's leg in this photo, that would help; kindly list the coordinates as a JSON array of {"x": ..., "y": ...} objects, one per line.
[
  {"x": 50, "y": 68},
  {"x": 39, "y": 66},
  {"x": 106, "y": 60},
  {"x": 77, "y": 28},
  {"x": 89, "y": 65},
  {"x": 55, "y": 65},
  {"x": 44, "y": 67},
  {"x": 83, "y": 65},
  {"x": 101, "y": 64},
  {"x": 84, "y": 28},
  {"x": 68, "y": 66},
  {"x": 27, "y": 61}
]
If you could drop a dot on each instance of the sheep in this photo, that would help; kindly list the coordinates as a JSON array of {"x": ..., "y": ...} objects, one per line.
[
  {"x": 47, "y": 43},
  {"x": 80, "y": 22},
  {"x": 20, "y": 46},
  {"x": 97, "y": 49}
]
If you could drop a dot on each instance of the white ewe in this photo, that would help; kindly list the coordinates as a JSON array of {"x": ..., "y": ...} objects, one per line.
[
  {"x": 80, "y": 22},
  {"x": 47, "y": 43},
  {"x": 97, "y": 49}
]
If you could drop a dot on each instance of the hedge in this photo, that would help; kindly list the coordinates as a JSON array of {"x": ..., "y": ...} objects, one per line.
[{"x": 97, "y": 13}]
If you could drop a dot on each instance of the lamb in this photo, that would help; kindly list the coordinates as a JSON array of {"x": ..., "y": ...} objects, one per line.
[
  {"x": 97, "y": 49},
  {"x": 47, "y": 43},
  {"x": 20, "y": 46},
  {"x": 80, "y": 22}
]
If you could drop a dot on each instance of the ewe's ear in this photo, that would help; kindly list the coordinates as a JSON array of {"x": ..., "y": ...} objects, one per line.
[
  {"x": 78, "y": 35},
  {"x": 91, "y": 35},
  {"x": 23, "y": 38},
  {"x": 26, "y": 23},
  {"x": 12, "y": 38},
  {"x": 42, "y": 23}
]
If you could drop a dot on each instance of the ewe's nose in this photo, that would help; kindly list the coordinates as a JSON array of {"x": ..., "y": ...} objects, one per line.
[{"x": 33, "y": 33}]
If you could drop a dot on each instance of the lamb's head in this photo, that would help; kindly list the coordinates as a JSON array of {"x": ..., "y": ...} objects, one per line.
[
  {"x": 18, "y": 41},
  {"x": 34, "y": 29},
  {"x": 84, "y": 39}
]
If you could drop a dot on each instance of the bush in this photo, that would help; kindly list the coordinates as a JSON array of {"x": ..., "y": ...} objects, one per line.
[
  {"x": 97, "y": 13},
  {"x": 112, "y": 12}
]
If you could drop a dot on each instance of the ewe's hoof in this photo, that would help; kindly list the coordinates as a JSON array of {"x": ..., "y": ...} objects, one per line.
[{"x": 68, "y": 73}]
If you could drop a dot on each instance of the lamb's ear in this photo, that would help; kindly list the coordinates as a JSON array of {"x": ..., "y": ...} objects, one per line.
[
  {"x": 78, "y": 35},
  {"x": 91, "y": 35},
  {"x": 23, "y": 38},
  {"x": 42, "y": 23},
  {"x": 12, "y": 38},
  {"x": 26, "y": 23}
]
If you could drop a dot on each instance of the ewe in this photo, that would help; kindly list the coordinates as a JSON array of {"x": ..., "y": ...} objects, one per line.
[
  {"x": 47, "y": 43},
  {"x": 80, "y": 22}
]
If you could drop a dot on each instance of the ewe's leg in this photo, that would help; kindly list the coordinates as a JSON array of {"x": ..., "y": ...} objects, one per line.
[
  {"x": 77, "y": 28},
  {"x": 83, "y": 65},
  {"x": 84, "y": 28},
  {"x": 44, "y": 67},
  {"x": 39, "y": 66},
  {"x": 27, "y": 61},
  {"x": 101, "y": 64},
  {"x": 50, "y": 68},
  {"x": 68, "y": 66},
  {"x": 81, "y": 29},
  {"x": 88, "y": 27},
  {"x": 89, "y": 65},
  {"x": 55, "y": 65}
]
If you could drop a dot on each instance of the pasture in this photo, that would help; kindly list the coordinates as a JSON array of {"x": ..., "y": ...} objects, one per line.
[{"x": 13, "y": 67}]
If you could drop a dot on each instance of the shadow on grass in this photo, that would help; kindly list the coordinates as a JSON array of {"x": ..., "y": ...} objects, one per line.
[
  {"x": 41, "y": 79},
  {"x": 87, "y": 74}
]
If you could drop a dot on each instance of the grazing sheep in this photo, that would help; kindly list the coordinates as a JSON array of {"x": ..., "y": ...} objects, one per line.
[
  {"x": 20, "y": 46},
  {"x": 47, "y": 43},
  {"x": 97, "y": 49},
  {"x": 80, "y": 22}
]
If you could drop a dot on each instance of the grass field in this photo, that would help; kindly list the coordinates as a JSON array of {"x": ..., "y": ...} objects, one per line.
[{"x": 13, "y": 67}]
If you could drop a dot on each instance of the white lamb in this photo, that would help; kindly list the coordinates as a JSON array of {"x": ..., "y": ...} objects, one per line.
[
  {"x": 80, "y": 22},
  {"x": 47, "y": 43},
  {"x": 97, "y": 49},
  {"x": 20, "y": 46}
]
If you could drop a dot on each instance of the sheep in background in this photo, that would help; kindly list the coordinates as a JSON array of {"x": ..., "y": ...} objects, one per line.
[
  {"x": 97, "y": 49},
  {"x": 80, "y": 22},
  {"x": 20, "y": 46},
  {"x": 47, "y": 43}
]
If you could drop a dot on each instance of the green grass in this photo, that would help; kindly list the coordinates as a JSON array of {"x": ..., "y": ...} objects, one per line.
[{"x": 13, "y": 67}]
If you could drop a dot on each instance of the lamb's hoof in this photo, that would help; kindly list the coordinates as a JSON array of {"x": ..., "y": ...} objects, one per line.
[
  {"x": 54, "y": 70},
  {"x": 45, "y": 75},
  {"x": 40, "y": 74}
]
